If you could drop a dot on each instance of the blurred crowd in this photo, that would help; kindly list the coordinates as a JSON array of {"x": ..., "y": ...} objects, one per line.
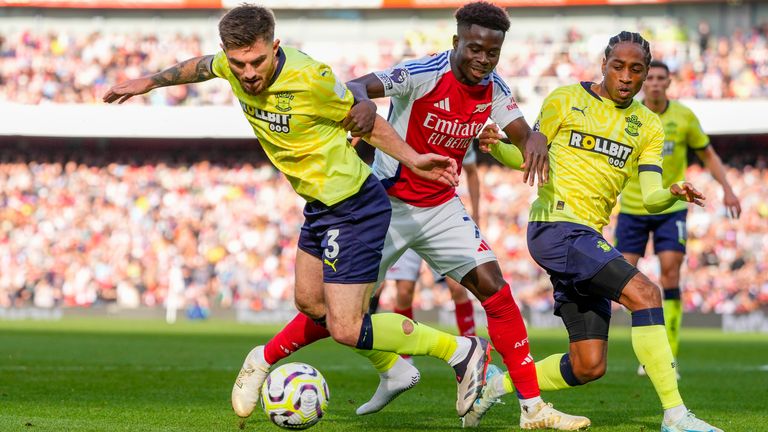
[
  {"x": 71, "y": 67},
  {"x": 155, "y": 230}
]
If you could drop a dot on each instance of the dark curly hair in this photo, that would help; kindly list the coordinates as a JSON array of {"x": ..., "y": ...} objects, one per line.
[
  {"x": 245, "y": 24},
  {"x": 483, "y": 14},
  {"x": 626, "y": 36}
]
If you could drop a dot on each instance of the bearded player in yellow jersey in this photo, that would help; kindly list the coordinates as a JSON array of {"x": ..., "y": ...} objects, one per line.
[
  {"x": 682, "y": 131},
  {"x": 600, "y": 137},
  {"x": 299, "y": 111}
]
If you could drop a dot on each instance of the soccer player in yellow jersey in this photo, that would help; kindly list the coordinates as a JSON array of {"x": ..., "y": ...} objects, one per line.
[
  {"x": 600, "y": 137},
  {"x": 681, "y": 132},
  {"x": 298, "y": 111}
]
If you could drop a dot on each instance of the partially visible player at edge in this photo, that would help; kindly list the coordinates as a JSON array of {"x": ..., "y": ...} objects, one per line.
[
  {"x": 600, "y": 137},
  {"x": 681, "y": 131},
  {"x": 299, "y": 111},
  {"x": 440, "y": 103}
]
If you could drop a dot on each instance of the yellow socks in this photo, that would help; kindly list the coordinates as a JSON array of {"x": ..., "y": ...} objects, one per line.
[
  {"x": 673, "y": 317},
  {"x": 649, "y": 340},
  {"x": 381, "y": 360},
  {"x": 396, "y": 333},
  {"x": 553, "y": 373}
]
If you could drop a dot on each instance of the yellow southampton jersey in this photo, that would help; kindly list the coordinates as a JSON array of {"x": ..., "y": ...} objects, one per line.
[
  {"x": 681, "y": 132},
  {"x": 297, "y": 120},
  {"x": 594, "y": 148}
]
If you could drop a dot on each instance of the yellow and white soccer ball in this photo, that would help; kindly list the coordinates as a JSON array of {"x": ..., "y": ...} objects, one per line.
[{"x": 295, "y": 396}]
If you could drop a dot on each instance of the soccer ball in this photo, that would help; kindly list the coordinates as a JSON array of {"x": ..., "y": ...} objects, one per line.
[{"x": 295, "y": 396}]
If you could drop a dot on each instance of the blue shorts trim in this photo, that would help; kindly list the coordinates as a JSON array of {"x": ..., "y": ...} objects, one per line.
[
  {"x": 572, "y": 254},
  {"x": 348, "y": 237},
  {"x": 669, "y": 232}
]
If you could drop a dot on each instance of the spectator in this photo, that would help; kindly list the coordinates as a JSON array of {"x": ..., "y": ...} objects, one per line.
[{"x": 130, "y": 231}]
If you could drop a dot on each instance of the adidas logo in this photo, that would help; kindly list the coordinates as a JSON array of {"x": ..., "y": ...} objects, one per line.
[
  {"x": 483, "y": 246},
  {"x": 444, "y": 104}
]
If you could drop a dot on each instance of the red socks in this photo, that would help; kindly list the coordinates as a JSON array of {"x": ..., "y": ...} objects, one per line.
[
  {"x": 510, "y": 338},
  {"x": 405, "y": 312},
  {"x": 465, "y": 318},
  {"x": 298, "y": 333}
]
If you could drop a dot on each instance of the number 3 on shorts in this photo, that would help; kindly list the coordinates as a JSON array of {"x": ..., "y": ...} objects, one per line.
[{"x": 332, "y": 248}]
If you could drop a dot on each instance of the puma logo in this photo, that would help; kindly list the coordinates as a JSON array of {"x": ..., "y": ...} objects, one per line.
[
  {"x": 581, "y": 110},
  {"x": 331, "y": 264}
]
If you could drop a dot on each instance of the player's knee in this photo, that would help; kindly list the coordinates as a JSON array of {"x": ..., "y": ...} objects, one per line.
[
  {"x": 587, "y": 371},
  {"x": 670, "y": 277},
  {"x": 641, "y": 293},
  {"x": 490, "y": 289},
  {"x": 458, "y": 292},
  {"x": 345, "y": 332},
  {"x": 404, "y": 301},
  {"x": 310, "y": 309}
]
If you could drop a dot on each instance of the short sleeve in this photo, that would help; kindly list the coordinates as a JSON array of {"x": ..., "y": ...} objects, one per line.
[
  {"x": 403, "y": 79},
  {"x": 650, "y": 158},
  {"x": 397, "y": 81},
  {"x": 504, "y": 109},
  {"x": 331, "y": 98},
  {"x": 219, "y": 65},
  {"x": 696, "y": 138},
  {"x": 551, "y": 115}
]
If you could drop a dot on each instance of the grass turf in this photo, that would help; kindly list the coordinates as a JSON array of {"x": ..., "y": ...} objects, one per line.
[{"x": 114, "y": 375}]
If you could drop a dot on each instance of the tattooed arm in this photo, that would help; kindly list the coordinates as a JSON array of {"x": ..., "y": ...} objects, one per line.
[{"x": 189, "y": 71}]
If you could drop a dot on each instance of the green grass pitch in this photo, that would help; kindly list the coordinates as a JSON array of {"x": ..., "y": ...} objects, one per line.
[{"x": 115, "y": 375}]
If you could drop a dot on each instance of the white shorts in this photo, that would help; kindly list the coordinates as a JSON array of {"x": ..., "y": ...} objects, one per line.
[
  {"x": 445, "y": 236},
  {"x": 408, "y": 268}
]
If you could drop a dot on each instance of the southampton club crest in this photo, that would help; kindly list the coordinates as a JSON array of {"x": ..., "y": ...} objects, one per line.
[
  {"x": 633, "y": 124},
  {"x": 603, "y": 245},
  {"x": 284, "y": 101}
]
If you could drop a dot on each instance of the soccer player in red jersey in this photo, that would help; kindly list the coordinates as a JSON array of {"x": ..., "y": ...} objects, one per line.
[{"x": 441, "y": 103}]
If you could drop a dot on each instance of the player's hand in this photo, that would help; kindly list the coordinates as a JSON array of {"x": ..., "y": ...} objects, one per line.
[
  {"x": 732, "y": 204},
  {"x": 435, "y": 167},
  {"x": 359, "y": 121},
  {"x": 488, "y": 137},
  {"x": 687, "y": 193},
  {"x": 124, "y": 91},
  {"x": 536, "y": 159}
]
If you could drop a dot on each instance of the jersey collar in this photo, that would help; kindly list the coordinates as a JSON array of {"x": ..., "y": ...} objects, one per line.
[
  {"x": 587, "y": 86},
  {"x": 666, "y": 107},
  {"x": 280, "y": 64}
]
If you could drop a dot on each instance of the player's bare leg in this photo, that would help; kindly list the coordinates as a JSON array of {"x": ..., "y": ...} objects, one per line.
[
  {"x": 373, "y": 305},
  {"x": 309, "y": 297}
]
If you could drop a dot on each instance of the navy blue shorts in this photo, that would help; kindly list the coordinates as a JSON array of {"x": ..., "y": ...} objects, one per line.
[
  {"x": 669, "y": 232},
  {"x": 349, "y": 236},
  {"x": 572, "y": 254}
]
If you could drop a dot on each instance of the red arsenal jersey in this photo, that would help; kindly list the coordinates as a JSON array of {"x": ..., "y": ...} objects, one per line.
[{"x": 435, "y": 113}]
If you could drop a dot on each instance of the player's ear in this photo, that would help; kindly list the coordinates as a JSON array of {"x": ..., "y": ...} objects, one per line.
[
  {"x": 602, "y": 67},
  {"x": 455, "y": 41},
  {"x": 275, "y": 45}
]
